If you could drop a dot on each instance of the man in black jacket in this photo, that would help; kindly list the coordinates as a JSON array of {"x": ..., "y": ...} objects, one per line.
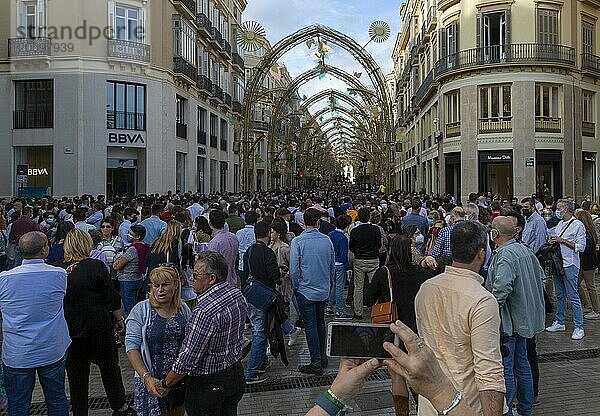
[
  {"x": 365, "y": 241},
  {"x": 261, "y": 264}
]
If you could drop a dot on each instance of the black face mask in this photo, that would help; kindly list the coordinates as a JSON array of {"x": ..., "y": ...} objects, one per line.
[{"x": 526, "y": 212}]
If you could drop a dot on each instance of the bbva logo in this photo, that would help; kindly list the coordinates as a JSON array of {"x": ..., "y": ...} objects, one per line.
[
  {"x": 37, "y": 172},
  {"x": 125, "y": 138}
]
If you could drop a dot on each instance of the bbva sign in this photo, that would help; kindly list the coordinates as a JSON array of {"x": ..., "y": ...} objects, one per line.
[{"x": 126, "y": 139}]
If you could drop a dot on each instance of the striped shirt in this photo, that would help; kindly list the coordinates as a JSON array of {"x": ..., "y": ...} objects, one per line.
[{"x": 213, "y": 340}]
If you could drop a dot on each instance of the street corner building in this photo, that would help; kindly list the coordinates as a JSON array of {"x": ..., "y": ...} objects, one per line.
[
  {"x": 122, "y": 98},
  {"x": 497, "y": 97}
]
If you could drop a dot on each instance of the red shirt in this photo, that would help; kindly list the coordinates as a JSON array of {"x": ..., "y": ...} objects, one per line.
[{"x": 21, "y": 227}]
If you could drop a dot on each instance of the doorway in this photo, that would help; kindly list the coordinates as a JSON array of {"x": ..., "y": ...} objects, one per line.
[
  {"x": 121, "y": 181},
  {"x": 548, "y": 169},
  {"x": 495, "y": 173}
]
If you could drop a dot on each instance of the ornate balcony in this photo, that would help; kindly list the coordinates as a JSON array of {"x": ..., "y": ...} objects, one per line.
[
  {"x": 225, "y": 49},
  {"x": 495, "y": 125},
  {"x": 185, "y": 6},
  {"x": 216, "y": 38},
  {"x": 203, "y": 22},
  {"x": 227, "y": 99},
  {"x": 431, "y": 18},
  {"x": 204, "y": 83},
  {"x": 590, "y": 63},
  {"x": 515, "y": 53},
  {"x": 548, "y": 124},
  {"x": 183, "y": 67},
  {"x": 453, "y": 129},
  {"x": 29, "y": 48},
  {"x": 131, "y": 51},
  {"x": 237, "y": 107},
  {"x": 424, "y": 88},
  {"x": 217, "y": 92},
  {"x": 260, "y": 125},
  {"x": 588, "y": 129},
  {"x": 238, "y": 61}
]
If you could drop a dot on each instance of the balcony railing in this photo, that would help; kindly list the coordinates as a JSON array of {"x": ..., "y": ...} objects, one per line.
[
  {"x": 238, "y": 60},
  {"x": 124, "y": 49},
  {"x": 29, "y": 47},
  {"x": 224, "y": 144},
  {"x": 190, "y": 5},
  {"x": 590, "y": 62},
  {"x": 588, "y": 129},
  {"x": 213, "y": 141},
  {"x": 237, "y": 107},
  {"x": 260, "y": 125},
  {"x": 125, "y": 120},
  {"x": 33, "y": 119},
  {"x": 226, "y": 48},
  {"x": 514, "y": 53},
  {"x": 181, "y": 130},
  {"x": 201, "y": 137},
  {"x": 227, "y": 99},
  {"x": 495, "y": 125},
  {"x": 181, "y": 66},
  {"x": 217, "y": 92},
  {"x": 204, "y": 83},
  {"x": 203, "y": 22},
  {"x": 216, "y": 37},
  {"x": 425, "y": 85},
  {"x": 548, "y": 124},
  {"x": 453, "y": 129}
]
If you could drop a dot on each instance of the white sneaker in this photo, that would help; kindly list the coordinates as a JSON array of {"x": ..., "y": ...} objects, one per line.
[
  {"x": 592, "y": 315},
  {"x": 556, "y": 327},
  {"x": 294, "y": 336},
  {"x": 578, "y": 333}
]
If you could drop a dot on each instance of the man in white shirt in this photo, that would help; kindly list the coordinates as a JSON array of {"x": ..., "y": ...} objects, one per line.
[
  {"x": 79, "y": 219},
  {"x": 570, "y": 234},
  {"x": 195, "y": 209}
]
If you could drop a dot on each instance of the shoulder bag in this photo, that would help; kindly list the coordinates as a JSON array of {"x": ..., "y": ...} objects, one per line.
[
  {"x": 551, "y": 253},
  {"x": 386, "y": 312},
  {"x": 256, "y": 292}
]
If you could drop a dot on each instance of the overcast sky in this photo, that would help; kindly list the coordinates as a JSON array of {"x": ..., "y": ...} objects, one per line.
[{"x": 280, "y": 18}]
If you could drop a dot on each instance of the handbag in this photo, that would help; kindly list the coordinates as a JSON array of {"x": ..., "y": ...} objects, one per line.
[
  {"x": 256, "y": 292},
  {"x": 550, "y": 252},
  {"x": 386, "y": 312}
]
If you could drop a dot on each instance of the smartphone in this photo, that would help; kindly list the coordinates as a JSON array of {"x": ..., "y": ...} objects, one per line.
[{"x": 359, "y": 340}]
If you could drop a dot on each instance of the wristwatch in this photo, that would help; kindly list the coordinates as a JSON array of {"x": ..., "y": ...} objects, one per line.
[
  {"x": 453, "y": 404},
  {"x": 331, "y": 404}
]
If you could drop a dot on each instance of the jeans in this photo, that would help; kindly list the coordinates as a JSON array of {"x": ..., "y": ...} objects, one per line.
[
  {"x": 313, "y": 315},
  {"x": 102, "y": 351},
  {"x": 566, "y": 287},
  {"x": 533, "y": 363},
  {"x": 516, "y": 366},
  {"x": 336, "y": 295},
  {"x": 258, "y": 352},
  {"x": 19, "y": 384},
  {"x": 129, "y": 292},
  {"x": 215, "y": 394},
  {"x": 362, "y": 269}
]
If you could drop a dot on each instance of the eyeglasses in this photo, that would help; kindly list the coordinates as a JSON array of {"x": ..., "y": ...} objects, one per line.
[
  {"x": 196, "y": 275},
  {"x": 106, "y": 226}
]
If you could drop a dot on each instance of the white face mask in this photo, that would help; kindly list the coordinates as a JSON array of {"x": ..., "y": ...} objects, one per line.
[
  {"x": 419, "y": 239},
  {"x": 384, "y": 207}
]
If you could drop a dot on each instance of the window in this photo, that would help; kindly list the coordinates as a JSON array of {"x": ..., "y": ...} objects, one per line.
[
  {"x": 214, "y": 127},
  {"x": 225, "y": 29},
  {"x": 449, "y": 44},
  {"x": 34, "y": 104},
  {"x": 588, "y": 107},
  {"x": 127, "y": 23},
  {"x": 493, "y": 34},
  {"x": 495, "y": 102},
  {"x": 203, "y": 6},
  {"x": 224, "y": 135},
  {"x": 453, "y": 107},
  {"x": 125, "y": 106},
  {"x": 214, "y": 68},
  {"x": 202, "y": 113},
  {"x": 180, "y": 117},
  {"x": 32, "y": 17},
  {"x": 203, "y": 61},
  {"x": 547, "y": 101},
  {"x": 548, "y": 27},
  {"x": 184, "y": 40},
  {"x": 587, "y": 37}
]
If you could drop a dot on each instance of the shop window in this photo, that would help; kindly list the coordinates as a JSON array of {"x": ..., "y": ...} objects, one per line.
[
  {"x": 34, "y": 104},
  {"x": 125, "y": 106}
]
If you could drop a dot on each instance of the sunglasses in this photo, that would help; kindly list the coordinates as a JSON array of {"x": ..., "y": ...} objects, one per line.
[{"x": 106, "y": 226}]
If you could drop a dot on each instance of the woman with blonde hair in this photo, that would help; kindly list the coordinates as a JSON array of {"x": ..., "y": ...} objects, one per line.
[
  {"x": 589, "y": 264},
  {"x": 155, "y": 332},
  {"x": 92, "y": 311},
  {"x": 166, "y": 248}
]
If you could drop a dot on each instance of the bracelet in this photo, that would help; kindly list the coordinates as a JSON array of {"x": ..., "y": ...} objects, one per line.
[
  {"x": 144, "y": 377},
  {"x": 334, "y": 399},
  {"x": 333, "y": 408},
  {"x": 453, "y": 404}
]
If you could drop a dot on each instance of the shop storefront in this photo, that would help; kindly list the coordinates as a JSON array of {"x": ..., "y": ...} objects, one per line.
[
  {"x": 589, "y": 174},
  {"x": 201, "y": 170},
  {"x": 548, "y": 169},
  {"x": 496, "y": 173},
  {"x": 33, "y": 170},
  {"x": 452, "y": 172}
]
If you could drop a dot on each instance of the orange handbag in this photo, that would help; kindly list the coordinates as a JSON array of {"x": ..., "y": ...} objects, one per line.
[{"x": 386, "y": 312}]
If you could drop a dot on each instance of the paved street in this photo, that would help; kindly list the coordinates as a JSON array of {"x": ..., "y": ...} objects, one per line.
[{"x": 569, "y": 382}]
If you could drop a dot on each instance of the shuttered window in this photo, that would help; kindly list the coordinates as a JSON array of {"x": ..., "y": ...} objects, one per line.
[{"x": 548, "y": 29}]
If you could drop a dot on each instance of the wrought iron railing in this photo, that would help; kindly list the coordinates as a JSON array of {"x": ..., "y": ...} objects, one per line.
[
  {"x": 189, "y": 4},
  {"x": 217, "y": 92},
  {"x": 548, "y": 124},
  {"x": 181, "y": 66},
  {"x": 29, "y": 47},
  {"x": 431, "y": 18},
  {"x": 204, "y": 83},
  {"x": 181, "y": 130},
  {"x": 125, "y": 49},
  {"x": 226, "y": 47},
  {"x": 427, "y": 82},
  {"x": 238, "y": 60},
  {"x": 204, "y": 23},
  {"x": 216, "y": 36},
  {"x": 237, "y": 107},
  {"x": 227, "y": 99},
  {"x": 33, "y": 119},
  {"x": 125, "y": 120},
  {"x": 590, "y": 62}
]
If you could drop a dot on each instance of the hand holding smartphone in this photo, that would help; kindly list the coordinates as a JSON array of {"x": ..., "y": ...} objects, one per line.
[{"x": 359, "y": 340}]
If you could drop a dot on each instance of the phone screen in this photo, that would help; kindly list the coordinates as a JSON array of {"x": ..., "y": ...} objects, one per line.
[{"x": 359, "y": 341}]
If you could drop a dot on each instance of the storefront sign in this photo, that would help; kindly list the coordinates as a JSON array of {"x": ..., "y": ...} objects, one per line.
[
  {"x": 129, "y": 139},
  {"x": 498, "y": 158},
  {"x": 37, "y": 172},
  {"x": 495, "y": 157},
  {"x": 529, "y": 162}
]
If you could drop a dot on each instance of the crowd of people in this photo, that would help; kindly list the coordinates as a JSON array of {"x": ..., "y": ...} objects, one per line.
[{"x": 179, "y": 280}]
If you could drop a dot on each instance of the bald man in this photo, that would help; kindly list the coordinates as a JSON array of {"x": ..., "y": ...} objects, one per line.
[{"x": 515, "y": 280}]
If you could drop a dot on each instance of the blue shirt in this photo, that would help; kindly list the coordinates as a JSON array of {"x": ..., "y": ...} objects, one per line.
[
  {"x": 245, "y": 238},
  {"x": 312, "y": 264},
  {"x": 124, "y": 230},
  {"x": 154, "y": 228},
  {"x": 535, "y": 233},
  {"x": 95, "y": 219},
  {"x": 33, "y": 320},
  {"x": 340, "y": 245}
]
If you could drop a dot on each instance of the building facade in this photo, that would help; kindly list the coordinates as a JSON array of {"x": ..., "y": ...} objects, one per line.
[
  {"x": 498, "y": 96},
  {"x": 119, "y": 97}
]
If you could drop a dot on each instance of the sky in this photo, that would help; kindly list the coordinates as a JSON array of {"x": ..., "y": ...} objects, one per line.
[{"x": 281, "y": 18}]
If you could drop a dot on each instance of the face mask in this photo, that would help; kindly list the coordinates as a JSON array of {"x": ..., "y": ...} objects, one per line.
[
  {"x": 129, "y": 238},
  {"x": 384, "y": 207},
  {"x": 430, "y": 221},
  {"x": 526, "y": 213},
  {"x": 559, "y": 215},
  {"x": 419, "y": 239},
  {"x": 50, "y": 221}
]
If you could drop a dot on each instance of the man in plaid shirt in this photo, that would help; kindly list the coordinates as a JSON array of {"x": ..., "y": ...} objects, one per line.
[
  {"x": 211, "y": 351},
  {"x": 442, "y": 244}
]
